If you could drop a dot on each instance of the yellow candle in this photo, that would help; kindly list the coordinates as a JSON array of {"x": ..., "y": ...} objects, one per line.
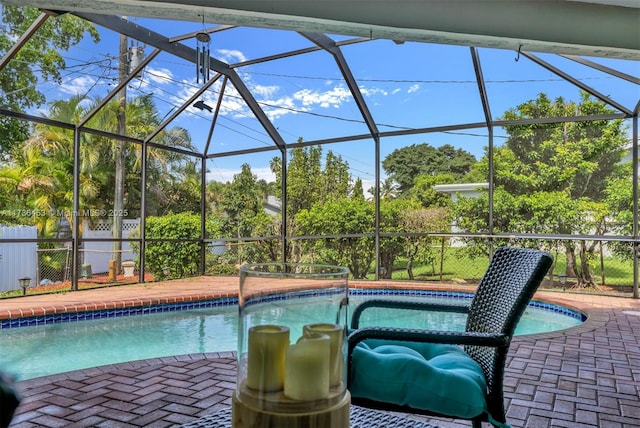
[
  {"x": 307, "y": 368},
  {"x": 336, "y": 356},
  {"x": 265, "y": 359}
]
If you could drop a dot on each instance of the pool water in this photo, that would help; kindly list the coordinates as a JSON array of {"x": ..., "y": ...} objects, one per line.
[{"x": 29, "y": 352}]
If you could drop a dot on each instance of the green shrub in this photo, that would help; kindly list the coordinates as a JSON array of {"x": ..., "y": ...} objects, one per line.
[{"x": 181, "y": 257}]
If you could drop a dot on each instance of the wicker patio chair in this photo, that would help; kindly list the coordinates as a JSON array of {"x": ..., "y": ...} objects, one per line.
[{"x": 443, "y": 373}]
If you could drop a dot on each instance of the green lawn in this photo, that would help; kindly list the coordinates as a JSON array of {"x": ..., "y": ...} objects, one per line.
[{"x": 458, "y": 266}]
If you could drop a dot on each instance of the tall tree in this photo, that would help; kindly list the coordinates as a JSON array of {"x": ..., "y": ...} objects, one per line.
[
  {"x": 45, "y": 167},
  {"x": 405, "y": 164},
  {"x": 551, "y": 178},
  {"x": 42, "y": 171},
  {"x": 241, "y": 202},
  {"x": 336, "y": 177},
  {"x": 245, "y": 217},
  {"x": 620, "y": 206},
  {"x": 388, "y": 189},
  {"x": 423, "y": 248},
  {"x": 423, "y": 190},
  {"x": 358, "y": 191},
  {"x": 392, "y": 212},
  {"x": 309, "y": 183},
  {"x": 40, "y": 58}
]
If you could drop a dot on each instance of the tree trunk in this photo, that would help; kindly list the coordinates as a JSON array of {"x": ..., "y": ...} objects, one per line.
[
  {"x": 410, "y": 268},
  {"x": 571, "y": 260},
  {"x": 386, "y": 260},
  {"x": 586, "y": 277},
  {"x": 412, "y": 250}
]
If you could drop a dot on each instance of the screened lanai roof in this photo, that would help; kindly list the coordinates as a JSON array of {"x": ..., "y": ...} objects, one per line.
[
  {"x": 590, "y": 27},
  {"x": 390, "y": 70}
]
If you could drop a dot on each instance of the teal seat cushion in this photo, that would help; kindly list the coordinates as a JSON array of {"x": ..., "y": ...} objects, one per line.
[{"x": 433, "y": 377}]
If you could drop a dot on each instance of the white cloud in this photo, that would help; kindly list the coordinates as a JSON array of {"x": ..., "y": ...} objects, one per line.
[
  {"x": 413, "y": 88},
  {"x": 152, "y": 77},
  {"x": 230, "y": 55},
  {"x": 265, "y": 91},
  {"x": 78, "y": 85},
  {"x": 367, "y": 185},
  {"x": 369, "y": 92},
  {"x": 282, "y": 106},
  {"x": 158, "y": 75},
  {"x": 334, "y": 97}
]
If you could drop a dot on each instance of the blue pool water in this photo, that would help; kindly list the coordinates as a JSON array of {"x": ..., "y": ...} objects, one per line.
[{"x": 40, "y": 350}]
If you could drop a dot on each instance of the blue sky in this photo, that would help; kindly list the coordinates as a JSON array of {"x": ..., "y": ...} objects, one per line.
[{"x": 410, "y": 85}]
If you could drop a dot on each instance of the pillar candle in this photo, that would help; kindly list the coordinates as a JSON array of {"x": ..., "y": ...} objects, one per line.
[
  {"x": 336, "y": 352},
  {"x": 265, "y": 360},
  {"x": 307, "y": 368}
]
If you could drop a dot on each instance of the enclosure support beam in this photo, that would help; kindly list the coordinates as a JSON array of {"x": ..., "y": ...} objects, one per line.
[
  {"x": 604, "y": 69},
  {"x": 635, "y": 192},
  {"x": 330, "y": 46},
  {"x": 482, "y": 90},
  {"x": 182, "y": 108},
  {"x": 283, "y": 205},
  {"x": 75, "y": 231},
  {"x": 216, "y": 113},
  {"x": 577, "y": 83},
  {"x": 377, "y": 205},
  {"x": 203, "y": 215},
  {"x": 40, "y": 20},
  {"x": 143, "y": 209}
]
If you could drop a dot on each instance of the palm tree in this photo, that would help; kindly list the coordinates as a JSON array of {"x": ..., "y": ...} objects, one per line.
[
  {"x": 45, "y": 167},
  {"x": 389, "y": 189},
  {"x": 42, "y": 174}
]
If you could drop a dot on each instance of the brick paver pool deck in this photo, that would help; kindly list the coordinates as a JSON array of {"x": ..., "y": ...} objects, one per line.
[{"x": 586, "y": 376}]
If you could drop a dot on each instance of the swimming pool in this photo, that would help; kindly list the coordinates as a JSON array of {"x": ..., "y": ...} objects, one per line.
[{"x": 68, "y": 342}]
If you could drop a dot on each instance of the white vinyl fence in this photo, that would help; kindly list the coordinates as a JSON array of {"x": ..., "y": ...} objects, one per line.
[
  {"x": 17, "y": 259},
  {"x": 98, "y": 254}
]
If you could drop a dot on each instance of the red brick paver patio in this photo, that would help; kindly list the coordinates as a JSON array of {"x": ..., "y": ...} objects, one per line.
[{"x": 587, "y": 376}]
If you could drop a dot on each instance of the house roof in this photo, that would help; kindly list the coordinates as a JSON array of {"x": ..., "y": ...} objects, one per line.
[{"x": 460, "y": 187}]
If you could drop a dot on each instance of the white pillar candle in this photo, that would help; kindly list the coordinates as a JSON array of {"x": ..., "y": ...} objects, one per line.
[
  {"x": 336, "y": 353},
  {"x": 265, "y": 360},
  {"x": 307, "y": 368}
]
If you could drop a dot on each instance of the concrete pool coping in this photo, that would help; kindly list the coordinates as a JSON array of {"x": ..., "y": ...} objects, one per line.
[{"x": 207, "y": 288}]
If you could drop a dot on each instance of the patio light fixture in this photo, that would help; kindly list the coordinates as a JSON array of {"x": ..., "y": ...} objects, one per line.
[{"x": 24, "y": 284}]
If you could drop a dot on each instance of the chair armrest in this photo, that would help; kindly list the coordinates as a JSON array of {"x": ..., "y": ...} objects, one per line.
[
  {"x": 496, "y": 340},
  {"x": 401, "y": 304}
]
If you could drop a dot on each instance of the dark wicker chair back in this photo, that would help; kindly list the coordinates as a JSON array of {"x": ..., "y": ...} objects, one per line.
[{"x": 503, "y": 294}]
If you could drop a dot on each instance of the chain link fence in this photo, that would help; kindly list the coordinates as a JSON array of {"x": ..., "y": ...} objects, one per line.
[{"x": 54, "y": 265}]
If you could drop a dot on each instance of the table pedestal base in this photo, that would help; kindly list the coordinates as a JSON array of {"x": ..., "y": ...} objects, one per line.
[{"x": 244, "y": 416}]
